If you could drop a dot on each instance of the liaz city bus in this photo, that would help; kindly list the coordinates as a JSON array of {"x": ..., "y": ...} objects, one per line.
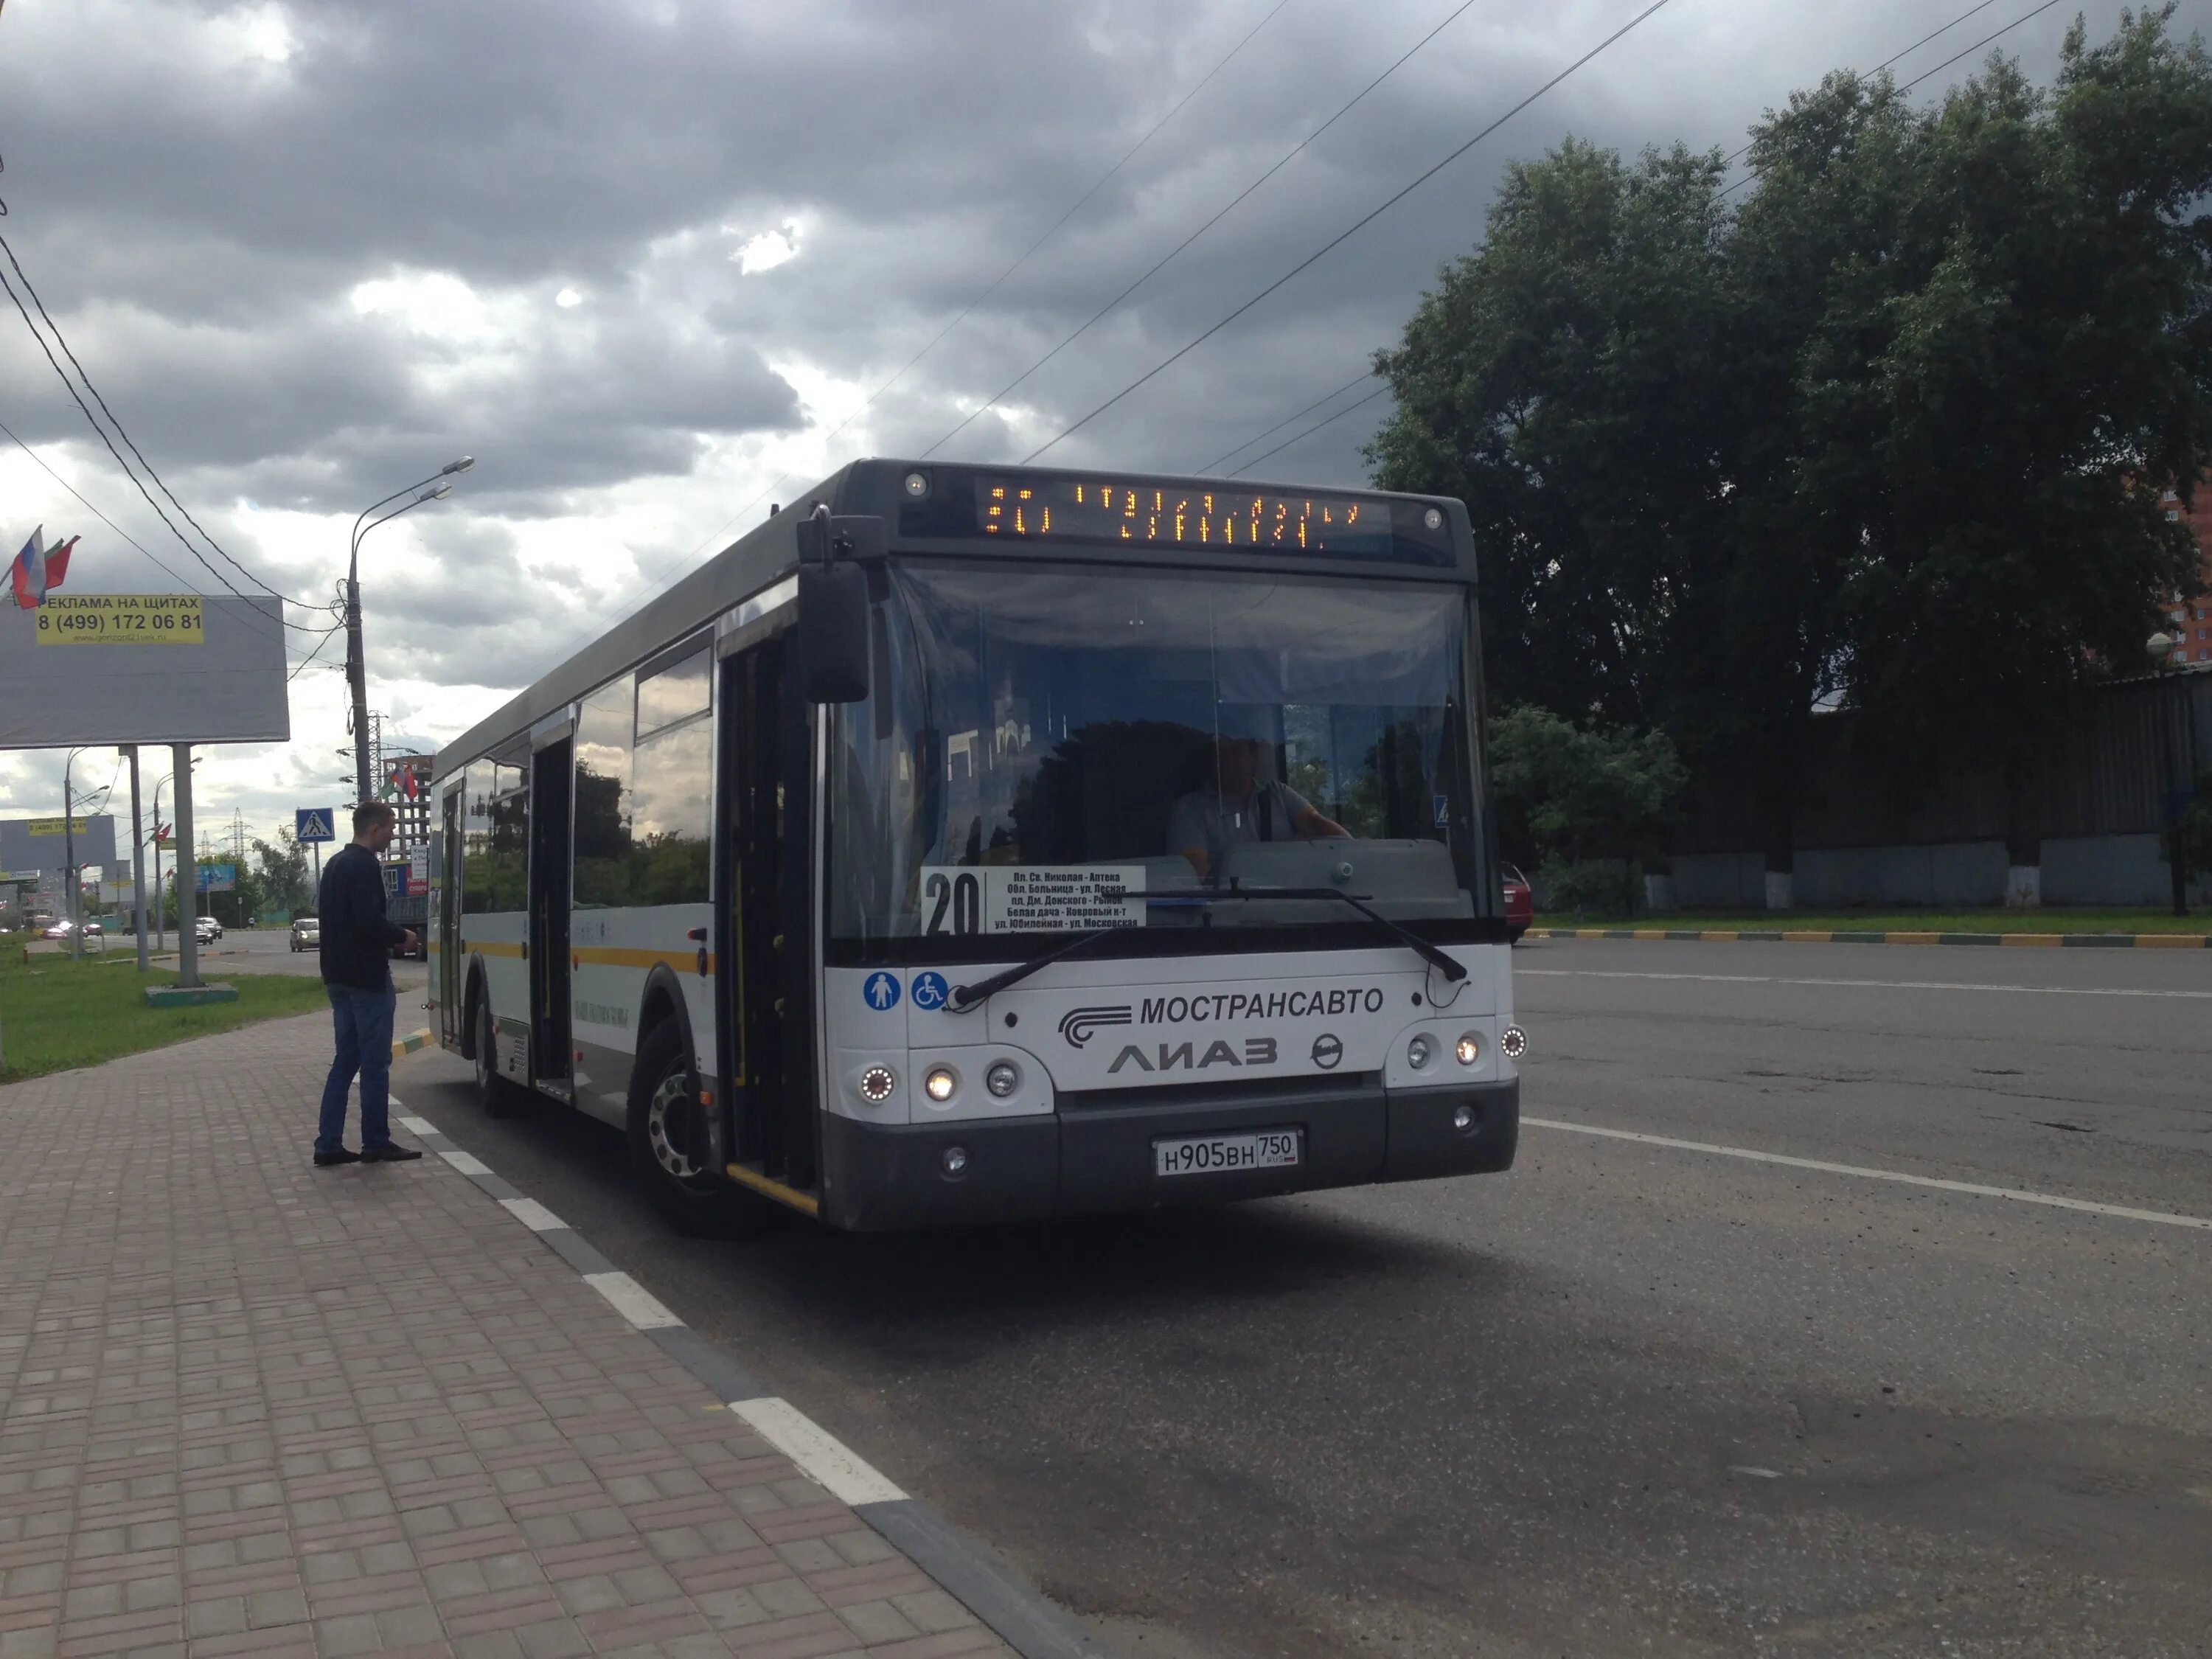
[{"x": 968, "y": 843}]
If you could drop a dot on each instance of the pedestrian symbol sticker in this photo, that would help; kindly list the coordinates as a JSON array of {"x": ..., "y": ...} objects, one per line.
[
  {"x": 1441, "y": 806},
  {"x": 313, "y": 823},
  {"x": 929, "y": 991},
  {"x": 882, "y": 990}
]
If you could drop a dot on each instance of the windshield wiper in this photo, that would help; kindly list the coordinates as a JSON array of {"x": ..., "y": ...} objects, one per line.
[
  {"x": 965, "y": 997},
  {"x": 1412, "y": 941}
]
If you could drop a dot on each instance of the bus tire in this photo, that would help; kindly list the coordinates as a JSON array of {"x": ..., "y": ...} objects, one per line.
[
  {"x": 663, "y": 1125},
  {"x": 496, "y": 1093}
]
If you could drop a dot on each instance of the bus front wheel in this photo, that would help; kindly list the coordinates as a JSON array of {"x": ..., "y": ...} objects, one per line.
[{"x": 667, "y": 1144}]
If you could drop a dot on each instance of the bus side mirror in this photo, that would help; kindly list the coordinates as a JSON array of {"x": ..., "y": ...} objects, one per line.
[
  {"x": 833, "y": 632},
  {"x": 834, "y": 555}
]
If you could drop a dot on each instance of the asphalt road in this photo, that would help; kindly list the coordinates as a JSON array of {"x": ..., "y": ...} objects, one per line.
[
  {"x": 269, "y": 950},
  {"x": 1630, "y": 1398}
]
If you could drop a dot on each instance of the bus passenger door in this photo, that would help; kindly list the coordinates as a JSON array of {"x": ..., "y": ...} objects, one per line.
[
  {"x": 552, "y": 780},
  {"x": 448, "y": 922},
  {"x": 764, "y": 923}
]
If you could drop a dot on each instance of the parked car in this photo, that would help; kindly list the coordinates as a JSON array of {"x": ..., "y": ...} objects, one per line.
[
  {"x": 1520, "y": 904},
  {"x": 307, "y": 933},
  {"x": 62, "y": 928},
  {"x": 206, "y": 929}
]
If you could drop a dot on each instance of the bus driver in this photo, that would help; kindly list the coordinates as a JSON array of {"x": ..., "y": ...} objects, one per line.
[{"x": 1236, "y": 805}]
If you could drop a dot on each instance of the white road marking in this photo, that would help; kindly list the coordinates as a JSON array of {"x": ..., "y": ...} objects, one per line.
[
  {"x": 2163, "y": 1218},
  {"x": 1754, "y": 1470},
  {"x": 421, "y": 1125},
  {"x": 632, "y": 1301},
  {"x": 465, "y": 1163},
  {"x": 532, "y": 1214},
  {"x": 827, "y": 1460},
  {"x": 1875, "y": 984}
]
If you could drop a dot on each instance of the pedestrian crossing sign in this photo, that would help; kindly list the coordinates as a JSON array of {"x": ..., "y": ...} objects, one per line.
[{"x": 313, "y": 823}]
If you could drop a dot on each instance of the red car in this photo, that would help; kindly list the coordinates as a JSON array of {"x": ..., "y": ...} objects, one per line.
[{"x": 1520, "y": 904}]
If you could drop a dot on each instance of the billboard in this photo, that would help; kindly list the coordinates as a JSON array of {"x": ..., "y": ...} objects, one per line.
[
  {"x": 114, "y": 668},
  {"x": 218, "y": 879},
  {"x": 39, "y": 844}
]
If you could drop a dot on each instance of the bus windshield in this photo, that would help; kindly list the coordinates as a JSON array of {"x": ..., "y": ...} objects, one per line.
[{"x": 1057, "y": 749}]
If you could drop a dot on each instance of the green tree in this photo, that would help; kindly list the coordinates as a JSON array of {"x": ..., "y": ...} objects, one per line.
[
  {"x": 1999, "y": 379},
  {"x": 286, "y": 882},
  {"x": 1889, "y": 434},
  {"x": 1585, "y": 804}
]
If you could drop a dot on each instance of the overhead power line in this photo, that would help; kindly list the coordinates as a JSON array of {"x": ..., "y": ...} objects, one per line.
[
  {"x": 128, "y": 473},
  {"x": 1924, "y": 75},
  {"x": 1330, "y": 420},
  {"x": 967, "y": 310},
  {"x": 62, "y": 340},
  {"x": 1263, "y": 437},
  {"x": 40, "y": 459},
  {"x": 1345, "y": 235},
  {"x": 1887, "y": 63},
  {"x": 256, "y": 616},
  {"x": 1284, "y": 160}
]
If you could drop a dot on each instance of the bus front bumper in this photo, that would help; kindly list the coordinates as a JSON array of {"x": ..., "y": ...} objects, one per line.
[{"x": 1085, "y": 1159}]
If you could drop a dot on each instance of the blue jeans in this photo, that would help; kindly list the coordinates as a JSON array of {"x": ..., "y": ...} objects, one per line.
[{"x": 363, "y": 1019}]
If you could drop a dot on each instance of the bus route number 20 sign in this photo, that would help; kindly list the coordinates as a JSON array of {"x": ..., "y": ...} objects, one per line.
[{"x": 121, "y": 619}]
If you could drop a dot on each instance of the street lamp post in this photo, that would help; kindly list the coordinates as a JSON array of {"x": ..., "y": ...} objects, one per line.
[
  {"x": 428, "y": 489},
  {"x": 2178, "y": 781},
  {"x": 160, "y": 913}
]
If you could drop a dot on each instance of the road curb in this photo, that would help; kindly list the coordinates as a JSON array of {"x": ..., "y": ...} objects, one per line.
[
  {"x": 1843, "y": 936},
  {"x": 1015, "y": 1612},
  {"x": 408, "y": 1044}
]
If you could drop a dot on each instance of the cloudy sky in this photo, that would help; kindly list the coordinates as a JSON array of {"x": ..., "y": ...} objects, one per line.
[{"x": 648, "y": 260}]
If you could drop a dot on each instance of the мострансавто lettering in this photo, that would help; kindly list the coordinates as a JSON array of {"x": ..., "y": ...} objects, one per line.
[{"x": 1332, "y": 1004}]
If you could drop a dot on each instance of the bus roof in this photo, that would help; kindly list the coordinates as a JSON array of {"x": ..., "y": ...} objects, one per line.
[{"x": 953, "y": 511}]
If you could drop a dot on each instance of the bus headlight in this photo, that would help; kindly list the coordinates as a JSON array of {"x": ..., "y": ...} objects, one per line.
[
  {"x": 1003, "y": 1079},
  {"x": 1468, "y": 1048},
  {"x": 940, "y": 1083},
  {"x": 877, "y": 1083},
  {"x": 1420, "y": 1051},
  {"x": 1513, "y": 1041}
]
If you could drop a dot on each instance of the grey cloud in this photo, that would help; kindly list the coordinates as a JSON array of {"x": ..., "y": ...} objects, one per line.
[{"x": 199, "y": 224}]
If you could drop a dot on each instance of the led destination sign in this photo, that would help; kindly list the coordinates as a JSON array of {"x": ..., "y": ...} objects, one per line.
[{"x": 1139, "y": 512}]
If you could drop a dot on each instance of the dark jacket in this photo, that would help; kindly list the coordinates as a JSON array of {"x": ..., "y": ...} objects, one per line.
[{"x": 357, "y": 938}]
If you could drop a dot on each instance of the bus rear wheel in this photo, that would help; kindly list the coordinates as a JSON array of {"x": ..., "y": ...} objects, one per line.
[
  {"x": 667, "y": 1148},
  {"x": 496, "y": 1093}
]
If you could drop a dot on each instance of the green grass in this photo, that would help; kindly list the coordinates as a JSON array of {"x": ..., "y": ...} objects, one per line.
[
  {"x": 1901, "y": 921},
  {"x": 56, "y": 1014}
]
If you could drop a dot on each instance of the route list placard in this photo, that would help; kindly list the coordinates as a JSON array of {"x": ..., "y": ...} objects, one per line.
[{"x": 995, "y": 898}]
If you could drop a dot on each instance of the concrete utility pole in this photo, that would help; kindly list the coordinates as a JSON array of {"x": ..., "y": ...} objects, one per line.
[
  {"x": 72, "y": 900},
  {"x": 137, "y": 861},
  {"x": 429, "y": 489}
]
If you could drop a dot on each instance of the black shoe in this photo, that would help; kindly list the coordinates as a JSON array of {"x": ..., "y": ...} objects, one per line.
[
  {"x": 344, "y": 1155},
  {"x": 390, "y": 1152}
]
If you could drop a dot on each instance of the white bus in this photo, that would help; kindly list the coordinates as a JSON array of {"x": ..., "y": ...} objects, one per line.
[{"x": 968, "y": 843}]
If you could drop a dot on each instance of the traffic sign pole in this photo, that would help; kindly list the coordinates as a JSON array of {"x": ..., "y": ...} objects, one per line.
[{"x": 188, "y": 940}]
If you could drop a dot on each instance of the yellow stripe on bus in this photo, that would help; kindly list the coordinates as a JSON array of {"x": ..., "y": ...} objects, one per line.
[
  {"x": 805, "y": 1203},
  {"x": 494, "y": 948},
  {"x": 613, "y": 956}
]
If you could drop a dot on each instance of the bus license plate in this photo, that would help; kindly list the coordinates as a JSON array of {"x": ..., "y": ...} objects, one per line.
[{"x": 1267, "y": 1149}]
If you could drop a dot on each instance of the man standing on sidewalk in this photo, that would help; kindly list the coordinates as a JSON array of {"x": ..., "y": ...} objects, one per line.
[{"x": 357, "y": 957}]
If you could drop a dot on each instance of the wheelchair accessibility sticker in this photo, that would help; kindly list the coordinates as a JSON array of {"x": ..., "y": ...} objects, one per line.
[{"x": 930, "y": 992}]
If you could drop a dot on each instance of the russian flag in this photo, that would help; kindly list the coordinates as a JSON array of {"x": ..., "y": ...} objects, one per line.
[{"x": 38, "y": 569}]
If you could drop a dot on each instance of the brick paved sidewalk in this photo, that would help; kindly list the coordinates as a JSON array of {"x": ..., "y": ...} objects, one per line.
[{"x": 248, "y": 1406}]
